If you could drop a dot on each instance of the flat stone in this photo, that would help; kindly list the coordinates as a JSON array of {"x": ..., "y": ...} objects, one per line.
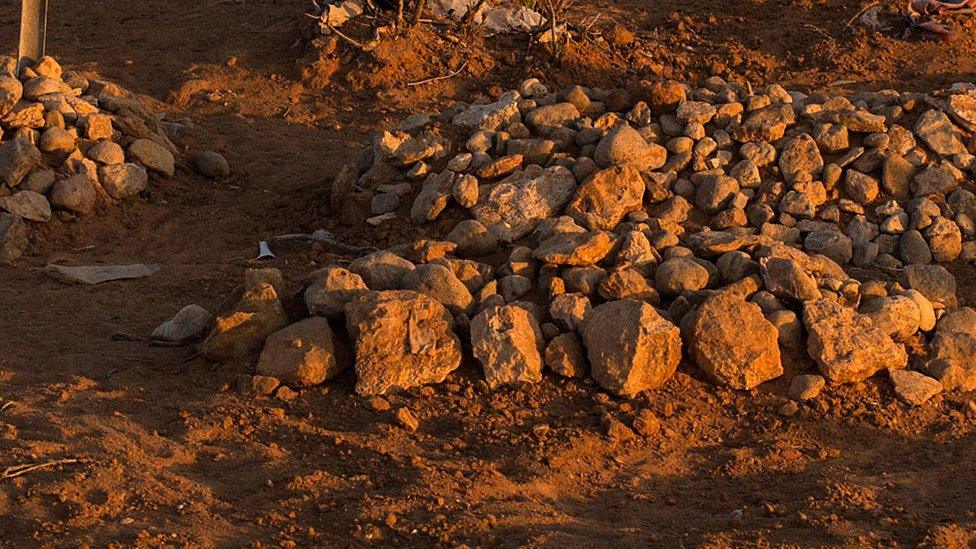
[
  {"x": 490, "y": 116},
  {"x": 515, "y": 206},
  {"x": 937, "y": 131},
  {"x": 913, "y": 387},
  {"x": 574, "y": 249},
  {"x": 27, "y": 204}
]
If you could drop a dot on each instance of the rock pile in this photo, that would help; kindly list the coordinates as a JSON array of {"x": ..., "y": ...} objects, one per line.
[
  {"x": 619, "y": 233},
  {"x": 69, "y": 143}
]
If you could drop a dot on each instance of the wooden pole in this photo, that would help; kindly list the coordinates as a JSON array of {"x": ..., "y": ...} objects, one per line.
[{"x": 33, "y": 33}]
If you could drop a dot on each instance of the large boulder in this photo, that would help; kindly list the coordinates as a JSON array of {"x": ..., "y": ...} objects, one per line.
[
  {"x": 630, "y": 346},
  {"x": 403, "y": 339},
  {"x": 846, "y": 345},
  {"x": 508, "y": 343},
  {"x": 718, "y": 346},
  {"x": 301, "y": 355}
]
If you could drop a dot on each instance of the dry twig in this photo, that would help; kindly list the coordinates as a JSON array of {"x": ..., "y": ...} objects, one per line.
[
  {"x": 23, "y": 469},
  {"x": 437, "y": 78},
  {"x": 352, "y": 41},
  {"x": 418, "y": 12},
  {"x": 322, "y": 236}
]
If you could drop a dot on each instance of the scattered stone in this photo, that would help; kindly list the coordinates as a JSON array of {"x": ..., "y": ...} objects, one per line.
[
  {"x": 913, "y": 387},
  {"x": 188, "y": 324},
  {"x": 407, "y": 419},
  {"x": 212, "y": 164},
  {"x": 806, "y": 387},
  {"x": 647, "y": 424}
]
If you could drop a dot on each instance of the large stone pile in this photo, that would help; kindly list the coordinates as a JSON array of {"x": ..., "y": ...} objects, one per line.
[
  {"x": 618, "y": 233},
  {"x": 68, "y": 144}
]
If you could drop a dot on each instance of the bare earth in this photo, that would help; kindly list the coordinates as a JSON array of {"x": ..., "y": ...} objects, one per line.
[{"x": 171, "y": 454}]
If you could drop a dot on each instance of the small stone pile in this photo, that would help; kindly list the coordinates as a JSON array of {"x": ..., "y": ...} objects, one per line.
[
  {"x": 618, "y": 233},
  {"x": 69, "y": 143}
]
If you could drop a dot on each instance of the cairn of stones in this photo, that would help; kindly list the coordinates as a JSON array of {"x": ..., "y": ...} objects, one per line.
[
  {"x": 618, "y": 234},
  {"x": 70, "y": 143}
]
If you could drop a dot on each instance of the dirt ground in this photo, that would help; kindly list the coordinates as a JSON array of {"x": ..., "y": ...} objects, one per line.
[{"x": 170, "y": 454}]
